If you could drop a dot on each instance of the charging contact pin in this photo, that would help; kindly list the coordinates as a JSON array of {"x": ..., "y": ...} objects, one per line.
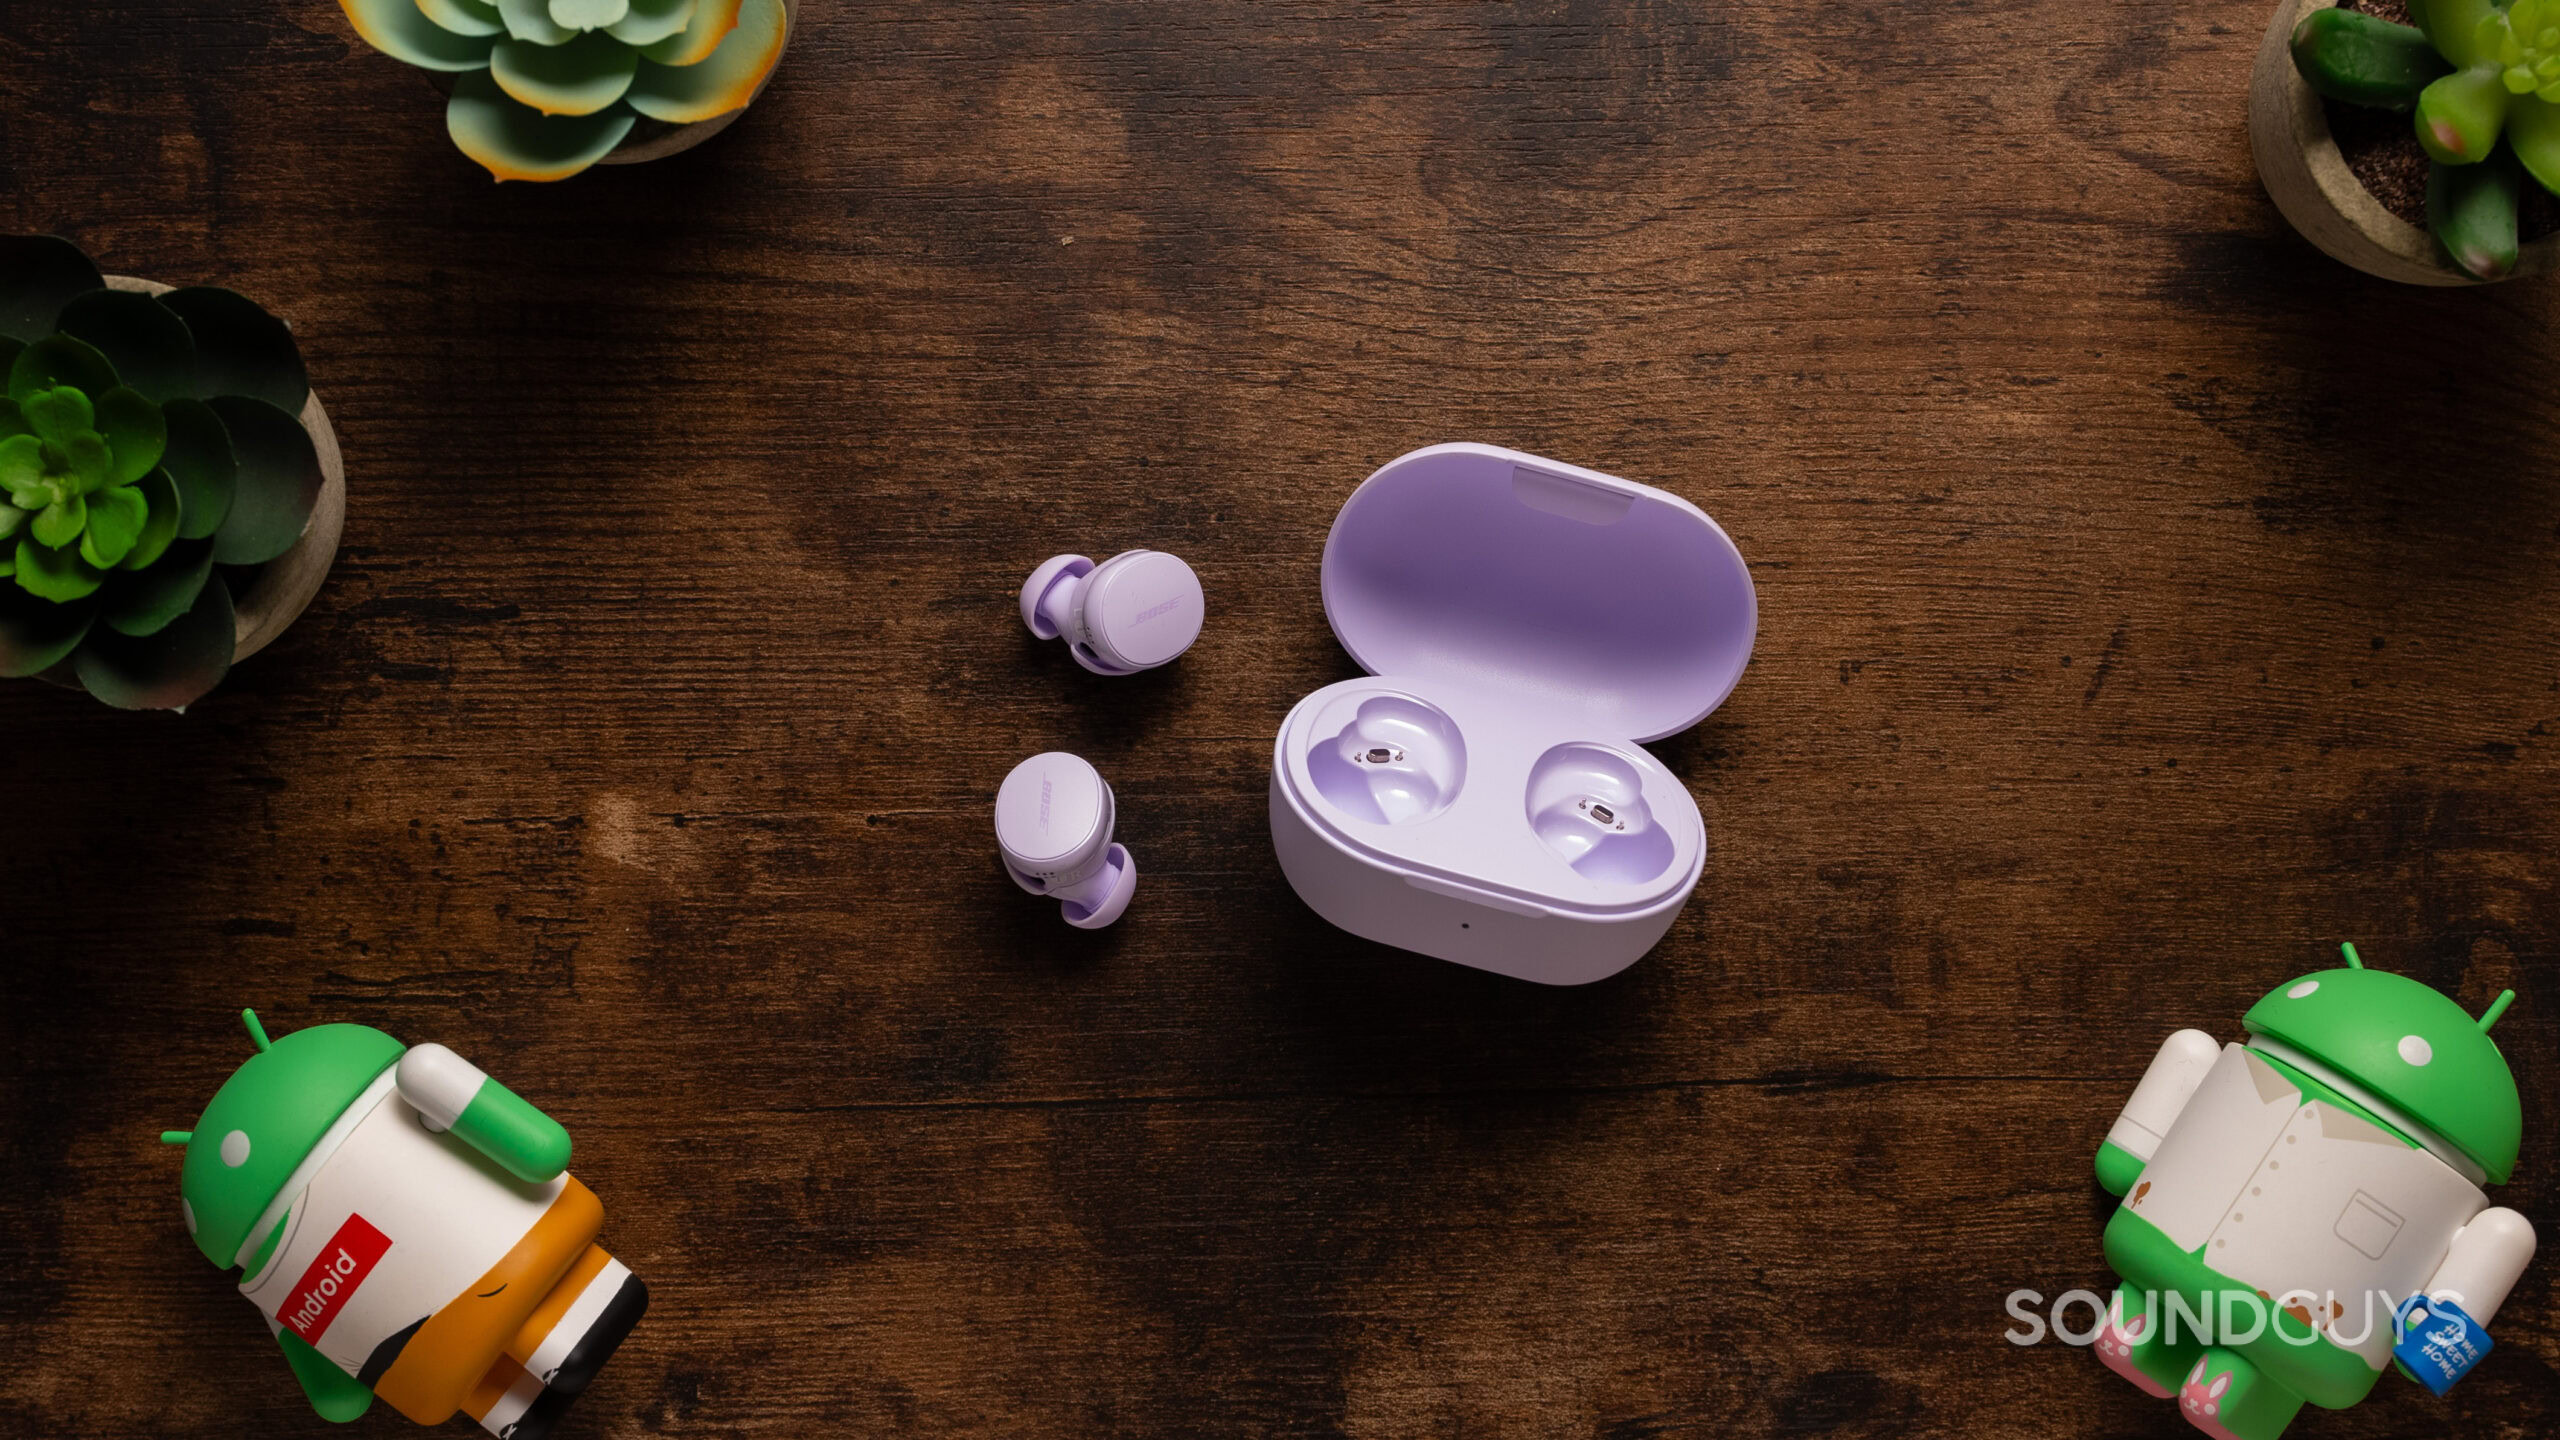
[{"x": 1600, "y": 813}]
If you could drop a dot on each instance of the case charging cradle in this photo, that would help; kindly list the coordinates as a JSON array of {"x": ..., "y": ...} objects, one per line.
[{"x": 1482, "y": 795}]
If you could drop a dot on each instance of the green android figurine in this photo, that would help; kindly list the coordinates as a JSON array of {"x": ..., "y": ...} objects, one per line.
[
  {"x": 2304, "y": 1210},
  {"x": 409, "y": 1229}
]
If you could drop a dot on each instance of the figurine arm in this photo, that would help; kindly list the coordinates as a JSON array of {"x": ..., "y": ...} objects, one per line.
[
  {"x": 454, "y": 1094},
  {"x": 338, "y": 1396},
  {"x": 2486, "y": 1260},
  {"x": 2165, "y": 1089}
]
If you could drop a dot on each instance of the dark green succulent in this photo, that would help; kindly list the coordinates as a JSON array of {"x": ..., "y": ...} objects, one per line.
[
  {"x": 146, "y": 442},
  {"x": 2482, "y": 80}
]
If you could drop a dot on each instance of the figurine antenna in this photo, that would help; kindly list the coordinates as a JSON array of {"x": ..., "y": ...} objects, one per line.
[
  {"x": 2497, "y": 1008},
  {"x": 176, "y": 1137},
  {"x": 257, "y": 1031},
  {"x": 2354, "y": 960}
]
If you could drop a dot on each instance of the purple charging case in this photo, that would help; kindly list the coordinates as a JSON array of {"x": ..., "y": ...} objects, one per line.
[{"x": 1483, "y": 795}]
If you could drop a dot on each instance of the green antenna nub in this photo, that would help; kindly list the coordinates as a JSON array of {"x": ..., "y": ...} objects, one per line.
[
  {"x": 257, "y": 1031},
  {"x": 2497, "y": 1008},
  {"x": 176, "y": 1137},
  {"x": 2354, "y": 960}
]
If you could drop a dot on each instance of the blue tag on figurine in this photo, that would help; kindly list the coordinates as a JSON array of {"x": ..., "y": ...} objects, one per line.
[{"x": 2438, "y": 1342}]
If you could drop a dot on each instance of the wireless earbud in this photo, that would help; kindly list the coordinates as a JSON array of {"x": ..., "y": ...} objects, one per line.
[
  {"x": 1134, "y": 611},
  {"x": 1053, "y": 822}
]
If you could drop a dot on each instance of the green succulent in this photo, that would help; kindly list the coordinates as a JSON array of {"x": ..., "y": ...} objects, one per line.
[
  {"x": 145, "y": 441},
  {"x": 2482, "y": 81},
  {"x": 74, "y": 490},
  {"x": 546, "y": 88}
]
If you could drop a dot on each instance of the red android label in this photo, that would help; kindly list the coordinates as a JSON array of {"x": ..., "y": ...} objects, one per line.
[{"x": 334, "y": 1275}]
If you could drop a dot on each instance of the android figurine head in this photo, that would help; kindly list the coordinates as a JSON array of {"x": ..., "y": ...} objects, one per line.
[
  {"x": 2405, "y": 1052},
  {"x": 264, "y": 1120}
]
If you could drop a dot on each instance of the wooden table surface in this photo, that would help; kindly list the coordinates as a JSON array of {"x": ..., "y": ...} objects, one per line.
[{"x": 2147, "y": 604}]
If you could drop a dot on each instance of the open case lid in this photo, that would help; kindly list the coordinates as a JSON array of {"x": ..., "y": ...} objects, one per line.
[{"x": 1580, "y": 592}]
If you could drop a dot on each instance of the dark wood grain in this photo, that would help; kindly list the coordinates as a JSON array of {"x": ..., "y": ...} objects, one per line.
[{"x": 2147, "y": 604}]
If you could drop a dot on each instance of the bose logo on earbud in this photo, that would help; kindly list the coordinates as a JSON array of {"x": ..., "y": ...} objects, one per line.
[
  {"x": 1151, "y": 612},
  {"x": 1046, "y": 790}
]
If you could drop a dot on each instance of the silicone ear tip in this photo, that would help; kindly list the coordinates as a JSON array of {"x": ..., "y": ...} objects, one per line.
[
  {"x": 1036, "y": 589},
  {"x": 1115, "y": 903},
  {"x": 1085, "y": 657}
]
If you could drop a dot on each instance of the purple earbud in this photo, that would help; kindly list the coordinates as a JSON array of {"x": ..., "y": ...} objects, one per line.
[
  {"x": 1134, "y": 611},
  {"x": 1053, "y": 822}
]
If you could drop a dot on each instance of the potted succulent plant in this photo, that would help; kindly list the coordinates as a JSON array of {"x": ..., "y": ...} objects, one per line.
[
  {"x": 170, "y": 491},
  {"x": 542, "y": 89},
  {"x": 2443, "y": 197}
]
